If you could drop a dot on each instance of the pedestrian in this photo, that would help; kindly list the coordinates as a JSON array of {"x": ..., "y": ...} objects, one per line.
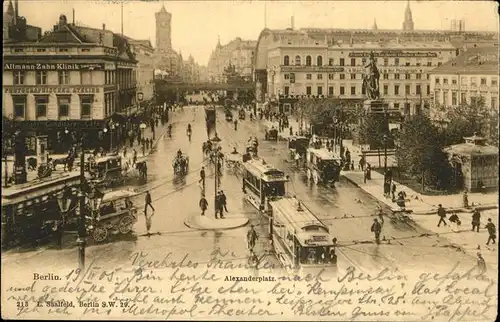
[
  {"x": 125, "y": 152},
  {"x": 236, "y": 125},
  {"x": 148, "y": 202},
  {"x": 442, "y": 215},
  {"x": 481, "y": 264},
  {"x": 148, "y": 222},
  {"x": 376, "y": 229},
  {"x": 203, "y": 204},
  {"x": 291, "y": 130},
  {"x": 465, "y": 200},
  {"x": 393, "y": 191},
  {"x": 252, "y": 237},
  {"x": 223, "y": 199},
  {"x": 218, "y": 207},
  {"x": 134, "y": 157},
  {"x": 476, "y": 220},
  {"x": 202, "y": 176},
  {"x": 143, "y": 148},
  {"x": 492, "y": 232},
  {"x": 352, "y": 165}
]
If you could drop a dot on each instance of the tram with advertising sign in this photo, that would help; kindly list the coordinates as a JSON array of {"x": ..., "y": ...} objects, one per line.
[
  {"x": 262, "y": 183},
  {"x": 30, "y": 210},
  {"x": 300, "y": 240}
]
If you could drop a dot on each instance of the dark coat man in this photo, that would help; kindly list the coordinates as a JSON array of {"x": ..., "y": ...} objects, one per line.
[
  {"x": 203, "y": 205},
  {"x": 376, "y": 229},
  {"x": 442, "y": 215},
  {"x": 476, "y": 220}
]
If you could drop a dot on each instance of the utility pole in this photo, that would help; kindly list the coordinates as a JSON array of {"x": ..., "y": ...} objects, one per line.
[{"x": 82, "y": 231}]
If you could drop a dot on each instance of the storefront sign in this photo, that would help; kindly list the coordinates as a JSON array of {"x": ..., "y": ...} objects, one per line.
[
  {"x": 51, "y": 89},
  {"x": 38, "y": 125},
  {"x": 394, "y": 53},
  {"x": 331, "y": 69},
  {"x": 63, "y": 66}
]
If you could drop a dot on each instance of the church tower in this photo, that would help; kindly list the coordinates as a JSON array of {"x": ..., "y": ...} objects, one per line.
[
  {"x": 408, "y": 22},
  {"x": 163, "y": 30}
]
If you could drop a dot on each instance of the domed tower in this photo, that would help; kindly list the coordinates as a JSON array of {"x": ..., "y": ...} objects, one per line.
[
  {"x": 163, "y": 30},
  {"x": 408, "y": 22}
]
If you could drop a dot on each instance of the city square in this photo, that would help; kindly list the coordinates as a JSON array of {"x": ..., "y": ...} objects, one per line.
[{"x": 342, "y": 151}]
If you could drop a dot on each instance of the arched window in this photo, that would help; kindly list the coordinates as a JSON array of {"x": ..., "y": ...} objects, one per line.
[
  {"x": 319, "y": 61},
  {"x": 308, "y": 61},
  {"x": 297, "y": 60},
  {"x": 286, "y": 61}
]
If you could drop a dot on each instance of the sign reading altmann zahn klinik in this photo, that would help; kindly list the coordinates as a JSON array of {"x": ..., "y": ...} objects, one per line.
[{"x": 62, "y": 66}]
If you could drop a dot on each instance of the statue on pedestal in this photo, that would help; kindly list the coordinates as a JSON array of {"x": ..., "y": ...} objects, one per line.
[{"x": 371, "y": 79}]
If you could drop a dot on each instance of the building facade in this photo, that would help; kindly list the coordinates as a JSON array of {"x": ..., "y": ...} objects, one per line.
[
  {"x": 239, "y": 53},
  {"x": 166, "y": 58},
  {"x": 69, "y": 82},
  {"x": 145, "y": 56}
]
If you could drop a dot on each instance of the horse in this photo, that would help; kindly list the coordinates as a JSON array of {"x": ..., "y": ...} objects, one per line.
[{"x": 180, "y": 165}]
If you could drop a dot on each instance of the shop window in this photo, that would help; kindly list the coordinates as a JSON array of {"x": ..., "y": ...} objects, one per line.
[
  {"x": 63, "y": 77},
  {"x": 19, "y": 77},
  {"x": 41, "y": 77},
  {"x": 86, "y": 106},
  {"x": 41, "y": 103},
  {"x": 63, "y": 104},
  {"x": 19, "y": 102}
]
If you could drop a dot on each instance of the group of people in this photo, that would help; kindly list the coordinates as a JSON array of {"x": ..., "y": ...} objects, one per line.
[{"x": 220, "y": 204}]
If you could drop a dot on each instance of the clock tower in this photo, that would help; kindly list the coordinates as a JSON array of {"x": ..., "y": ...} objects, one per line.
[{"x": 163, "y": 30}]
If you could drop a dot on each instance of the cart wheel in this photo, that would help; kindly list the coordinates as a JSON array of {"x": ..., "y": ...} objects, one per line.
[
  {"x": 126, "y": 224},
  {"x": 100, "y": 234}
]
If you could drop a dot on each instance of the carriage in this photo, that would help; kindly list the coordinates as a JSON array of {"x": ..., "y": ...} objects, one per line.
[
  {"x": 271, "y": 134},
  {"x": 137, "y": 170},
  {"x": 229, "y": 115},
  {"x": 233, "y": 161},
  {"x": 107, "y": 171},
  {"x": 181, "y": 165},
  {"x": 116, "y": 215}
]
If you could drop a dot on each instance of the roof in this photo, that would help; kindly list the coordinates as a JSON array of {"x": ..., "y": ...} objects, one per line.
[
  {"x": 118, "y": 194},
  {"x": 64, "y": 34},
  {"x": 324, "y": 154},
  {"x": 480, "y": 60},
  {"x": 471, "y": 149},
  {"x": 260, "y": 169},
  {"x": 107, "y": 158}
]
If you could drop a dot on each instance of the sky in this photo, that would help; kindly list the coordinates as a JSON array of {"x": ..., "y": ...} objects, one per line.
[{"x": 196, "y": 25}]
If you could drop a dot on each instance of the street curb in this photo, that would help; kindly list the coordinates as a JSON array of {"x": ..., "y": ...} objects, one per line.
[
  {"x": 394, "y": 210},
  {"x": 192, "y": 226}
]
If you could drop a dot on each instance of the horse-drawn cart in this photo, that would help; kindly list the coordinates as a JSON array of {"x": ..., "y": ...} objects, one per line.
[
  {"x": 233, "y": 162},
  {"x": 107, "y": 171},
  {"x": 181, "y": 165}
]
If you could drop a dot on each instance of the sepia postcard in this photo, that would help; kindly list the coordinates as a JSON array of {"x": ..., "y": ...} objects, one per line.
[{"x": 250, "y": 160}]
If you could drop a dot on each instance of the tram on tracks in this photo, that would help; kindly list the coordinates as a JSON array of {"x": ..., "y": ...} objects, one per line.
[
  {"x": 210, "y": 118},
  {"x": 262, "y": 183},
  {"x": 29, "y": 210},
  {"x": 301, "y": 241}
]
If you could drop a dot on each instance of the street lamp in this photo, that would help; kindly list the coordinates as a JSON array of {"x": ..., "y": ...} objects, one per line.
[
  {"x": 215, "y": 144},
  {"x": 386, "y": 138}
]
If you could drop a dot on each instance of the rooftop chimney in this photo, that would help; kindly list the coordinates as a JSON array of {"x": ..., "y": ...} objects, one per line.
[
  {"x": 103, "y": 26},
  {"x": 73, "y": 16}
]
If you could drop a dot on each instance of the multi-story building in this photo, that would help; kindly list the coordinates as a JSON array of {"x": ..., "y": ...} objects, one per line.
[
  {"x": 238, "y": 53},
  {"x": 145, "y": 56},
  {"x": 166, "y": 58},
  {"x": 404, "y": 57},
  {"x": 471, "y": 75},
  {"x": 73, "y": 79}
]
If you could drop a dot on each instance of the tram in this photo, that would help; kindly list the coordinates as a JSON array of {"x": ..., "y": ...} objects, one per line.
[
  {"x": 262, "y": 183},
  {"x": 210, "y": 119},
  {"x": 28, "y": 210},
  {"x": 301, "y": 241}
]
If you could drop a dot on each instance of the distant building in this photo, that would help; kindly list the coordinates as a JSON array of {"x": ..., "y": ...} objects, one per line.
[
  {"x": 15, "y": 27},
  {"x": 238, "y": 53},
  {"x": 145, "y": 55},
  {"x": 73, "y": 80}
]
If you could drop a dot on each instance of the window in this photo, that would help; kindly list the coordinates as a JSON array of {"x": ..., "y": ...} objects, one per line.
[
  {"x": 428, "y": 89},
  {"x": 319, "y": 76},
  {"x": 342, "y": 90},
  {"x": 18, "y": 77},
  {"x": 407, "y": 89},
  {"x": 396, "y": 89},
  {"x": 473, "y": 81},
  {"x": 63, "y": 50},
  {"x": 429, "y": 63},
  {"x": 320, "y": 90},
  {"x": 19, "y": 102},
  {"x": 287, "y": 90},
  {"x": 386, "y": 76},
  {"x": 440, "y": 63},
  {"x": 483, "y": 80},
  {"x": 353, "y": 90},
  {"x": 330, "y": 76},
  {"x": 342, "y": 76},
  {"x": 63, "y": 77},
  {"x": 308, "y": 76},
  {"x": 342, "y": 63},
  {"x": 428, "y": 76},
  {"x": 319, "y": 61},
  {"x": 454, "y": 98},
  {"x": 396, "y": 106},
  {"x": 286, "y": 76},
  {"x": 308, "y": 61},
  {"x": 41, "y": 103},
  {"x": 407, "y": 64},
  {"x": 41, "y": 78},
  {"x": 463, "y": 98},
  {"x": 363, "y": 61},
  {"x": 419, "y": 76},
  {"x": 494, "y": 82},
  {"x": 286, "y": 60},
  {"x": 86, "y": 77},
  {"x": 292, "y": 77},
  {"x": 297, "y": 60},
  {"x": 445, "y": 80},
  {"x": 417, "y": 90},
  {"x": 353, "y": 61},
  {"x": 437, "y": 80},
  {"x": 407, "y": 76},
  {"x": 386, "y": 89},
  {"x": 330, "y": 90},
  {"x": 330, "y": 62},
  {"x": 396, "y": 76},
  {"x": 396, "y": 61},
  {"x": 363, "y": 90},
  {"x": 63, "y": 103},
  {"x": 386, "y": 61},
  {"x": 41, "y": 50},
  {"x": 454, "y": 81},
  {"x": 353, "y": 76},
  {"x": 86, "y": 106},
  {"x": 494, "y": 102},
  {"x": 445, "y": 98},
  {"x": 308, "y": 90}
]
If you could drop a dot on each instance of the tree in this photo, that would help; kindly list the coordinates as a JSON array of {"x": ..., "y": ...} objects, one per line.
[
  {"x": 420, "y": 152},
  {"x": 372, "y": 129}
]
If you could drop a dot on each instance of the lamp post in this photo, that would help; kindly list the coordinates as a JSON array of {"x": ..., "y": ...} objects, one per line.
[
  {"x": 215, "y": 144},
  {"x": 386, "y": 138}
]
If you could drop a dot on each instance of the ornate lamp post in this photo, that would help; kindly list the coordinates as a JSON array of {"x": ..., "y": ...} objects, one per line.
[{"x": 215, "y": 144}]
